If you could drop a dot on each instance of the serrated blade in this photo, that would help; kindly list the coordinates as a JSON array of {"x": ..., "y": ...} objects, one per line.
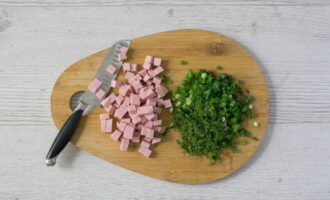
[{"x": 89, "y": 99}]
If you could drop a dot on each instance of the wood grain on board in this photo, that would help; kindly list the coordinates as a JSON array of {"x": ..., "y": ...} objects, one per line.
[{"x": 202, "y": 49}]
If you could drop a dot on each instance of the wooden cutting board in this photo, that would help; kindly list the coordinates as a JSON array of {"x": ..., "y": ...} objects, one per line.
[{"x": 202, "y": 49}]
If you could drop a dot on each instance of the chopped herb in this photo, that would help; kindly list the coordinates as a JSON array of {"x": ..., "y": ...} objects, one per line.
[
  {"x": 240, "y": 82},
  {"x": 183, "y": 62},
  {"x": 242, "y": 142},
  {"x": 255, "y": 138},
  {"x": 209, "y": 113},
  {"x": 218, "y": 67},
  {"x": 165, "y": 79}
]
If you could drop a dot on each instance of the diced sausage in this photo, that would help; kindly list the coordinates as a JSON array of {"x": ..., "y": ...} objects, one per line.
[
  {"x": 94, "y": 85},
  {"x": 111, "y": 69}
]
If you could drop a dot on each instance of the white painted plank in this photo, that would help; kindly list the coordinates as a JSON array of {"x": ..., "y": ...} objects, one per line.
[
  {"x": 292, "y": 164},
  {"x": 166, "y": 2},
  {"x": 292, "y": 45}
]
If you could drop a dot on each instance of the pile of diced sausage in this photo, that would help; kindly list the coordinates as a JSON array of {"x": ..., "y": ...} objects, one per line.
[{"x": 137, "y": 106}]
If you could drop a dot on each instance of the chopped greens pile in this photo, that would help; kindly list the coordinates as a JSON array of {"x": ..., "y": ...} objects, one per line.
[
  {"x": 209, "y": 113},
  {"x": 165, "y": 79}
]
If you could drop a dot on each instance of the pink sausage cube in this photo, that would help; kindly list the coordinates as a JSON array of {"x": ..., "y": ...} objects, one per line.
[
  {"x": 143, "y": 89},
  {"x": 129, "y": 75},
  {"x": 120, "y": 112},
  {"x": 145, "y": 110},
  {"x": 116, "y": 135},
  {"x": 127, "y": 101},
  {"x": 115, "y": 84},
  {"x": 126, "y": 120},
  {"x": 126, "y": 141},
  {"x": 149, "y": 124},
  {"x": 132, "y": 114},
  {"x": 165, "y": 90},
  {"x": 131, "y": 108},
  {"x": 155, "y": 128},
  {"x": 144, "y": 130},
  {"x": 146, "y": 66},
  {"x": 110, "y": 109},
  {"x": 129, "y": 131},
  {"x": 121, "y": 126},
  {"x": 100, "y": 94},
  {"x": 157, "y": 80},
  {"x": 136, "y": 134},
  {"x": 157, "y": 61},
  {"x": 143, "y": 72},
  {"x": 136, "y": 85},
  {"x": 116, "y": 105},
  {"x": 148, "y": 93},
  {"x": 148, "y": 59},
  {"x": 151, "y": 102},
  {"x": 155, "y": 140},
  {"x": 112, "y": 98},
  {"x": 136, "y": 120},
  {"x": 153, "y": 94},
  {"x": 122, "y": 56},
  {"x": 119, "y": 99},
  {"x": 143, "y": 119},
  {"x": 126, "y": 67},
  {"x": 158, "y": 122},
  {"x": 146, "y": 78},
  {"x": 123, "y": 90},
  {"x": 161, "y": 130},
  {"x": 147, "y": 139},
  {"x": 158, "y": 110},
  {"x": 111, "y": 69},
  {"x": 135, "y": 99},
  {"x": 139, "y": 127},
  {"x": 161, "y": 91},
  {"x": 108, "y": 101},
  {"x": 134, "y": 67},
  {"x": 146, "y": 152},
  {"x": 136, "y": 139},
  {"x": 151, "y": 73},
  {"x": 108, "y": 126},
  {"x": 157, "y": 71},
  {"x": 123, "y": 49},
  {"x": 104, "y": 116},
  {"x": 149, "y": 83},
  {"x": 150, "y": 133},
  {"x": 124, "y": 145},
  {"x": 138, "y": 77},
  {"x": 145, "y": 144},
  {"x": 150, "y": 116},
  {"x": 167, "y": 103},
  {"x": 103, "y": 124},
  {"x": 160, "y": 102},
  {"x": 94, "y": 85}
]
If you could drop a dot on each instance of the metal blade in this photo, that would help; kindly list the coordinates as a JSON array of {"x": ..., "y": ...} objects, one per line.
[{"x": 89, "y": 99}]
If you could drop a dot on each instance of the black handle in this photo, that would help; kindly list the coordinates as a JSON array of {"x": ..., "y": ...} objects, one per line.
[{"x": 63, "y": 137}]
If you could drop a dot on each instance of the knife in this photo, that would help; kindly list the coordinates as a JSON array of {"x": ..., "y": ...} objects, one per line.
[{"x": 87, "y": 102}]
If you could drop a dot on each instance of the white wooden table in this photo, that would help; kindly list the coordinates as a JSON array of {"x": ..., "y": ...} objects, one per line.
[{"x": 290, "y": 39}]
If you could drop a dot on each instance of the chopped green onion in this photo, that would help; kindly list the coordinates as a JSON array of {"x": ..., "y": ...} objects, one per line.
[
  {"x": 218, "y": 67},
  {"x": 183, "y": 62},
  {"x": 165, "y": 79},
  {"x": 209, "y": 114},
  {"x": 240, "y": 82}
]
